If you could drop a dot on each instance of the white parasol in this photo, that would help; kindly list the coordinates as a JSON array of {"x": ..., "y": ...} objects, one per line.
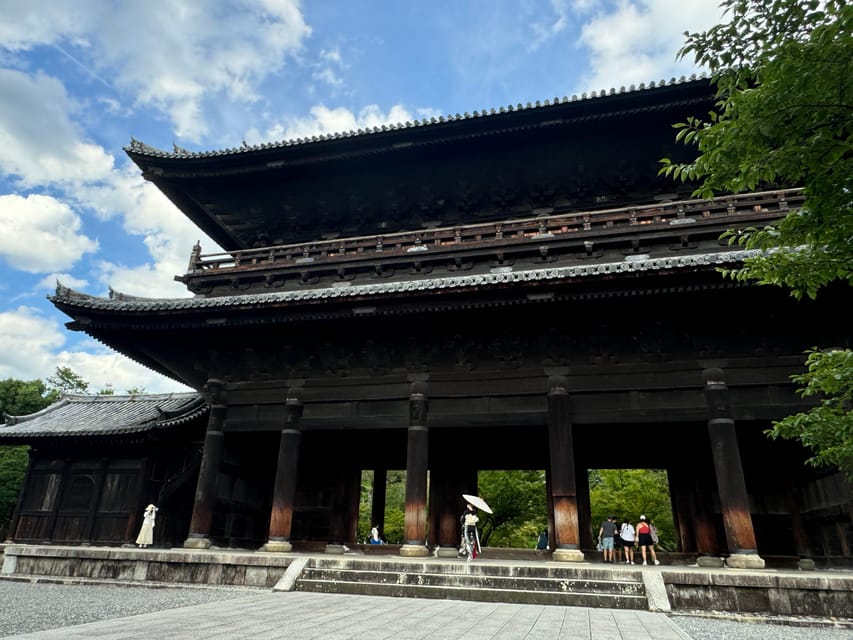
[{"x": 478, "y": 502}]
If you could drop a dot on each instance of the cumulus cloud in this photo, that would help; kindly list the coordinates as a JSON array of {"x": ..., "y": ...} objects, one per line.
[
  {"x": 41, "y": 234},
  {"x": 32, "y": 347},
  {"x": 192, "y": 52},
  {"x": 324, "y": 120},
  {"x": 634, "y": 42},
  {"x": 39, "y": 143}
]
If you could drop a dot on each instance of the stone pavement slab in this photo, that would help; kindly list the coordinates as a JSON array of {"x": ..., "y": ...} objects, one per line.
[{"x": 308, "y": 616}]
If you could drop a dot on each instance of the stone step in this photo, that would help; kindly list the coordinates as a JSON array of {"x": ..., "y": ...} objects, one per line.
[
  {"x": 448, "y": 592},
  {"x": 478, "y": 581}
]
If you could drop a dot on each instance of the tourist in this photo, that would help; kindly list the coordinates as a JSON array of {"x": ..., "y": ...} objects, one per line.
[
  {"x": 605, "y": 537},
  {"x": 644, "y": 539},
  {"x": 470, "y": 537},
  {"x": 374, "y": 535},
  {"x": 617, "y": 543},
  {"x": 627, "y": 535},
  {"x": 146, "y": 532},
  {"x": 542, "y": 542}
]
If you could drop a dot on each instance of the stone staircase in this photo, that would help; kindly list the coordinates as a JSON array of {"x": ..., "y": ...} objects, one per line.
[{"x": 479, "y": 580}]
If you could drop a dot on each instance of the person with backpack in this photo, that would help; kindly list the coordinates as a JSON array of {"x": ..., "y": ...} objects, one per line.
[{"x": 644, "y": 539}]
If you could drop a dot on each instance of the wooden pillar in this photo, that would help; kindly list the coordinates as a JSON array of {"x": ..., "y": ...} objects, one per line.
[
  {"x": 585, "y": 524},
  {"x": 284, "y": 490},
  {"x": 563, "y": 488},
  {"x": 447, "y": 484},
  {"x": 377, "y": 501},
  {"x": 734, "y": 502},
  {"x": 353, "y": 492},
  {"x": 417, "y": 450},
  {"x": 211, "y": 456},
  {"x": 682, "y": 510}
]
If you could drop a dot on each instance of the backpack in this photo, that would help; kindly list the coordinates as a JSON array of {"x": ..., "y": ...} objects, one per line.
[{"x": 654, "y": 534}]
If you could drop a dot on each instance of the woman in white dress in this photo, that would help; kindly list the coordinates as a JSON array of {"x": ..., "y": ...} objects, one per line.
[{"x": 146, "y": 532}]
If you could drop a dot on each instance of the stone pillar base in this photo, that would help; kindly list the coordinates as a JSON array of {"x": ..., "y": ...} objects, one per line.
[
  {"x": 745, "y": 561},
  {"x": 446, "y": 552},
  {"x": 277, "y": 546},
  {"x": 336, "y": 549},
  {"x": 197, "y": 543},
  {"x": 567, "y": 555},
  {"x": 414, "y": 551},
  {"x": 806, "y": 564},
  {"x": 709, "y": 561}
]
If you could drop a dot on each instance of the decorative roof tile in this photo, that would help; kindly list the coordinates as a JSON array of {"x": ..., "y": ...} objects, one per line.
[
  {"x": 138, "y": 147},
  {"x": 86, "y": 415},
  {"x": 119, "y": 302}
]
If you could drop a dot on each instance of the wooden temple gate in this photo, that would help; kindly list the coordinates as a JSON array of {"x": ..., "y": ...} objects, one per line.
[{"x": 517, "y": 290}]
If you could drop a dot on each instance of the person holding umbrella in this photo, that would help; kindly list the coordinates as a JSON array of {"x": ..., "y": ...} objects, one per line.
[{"x": 469, "y": 520}]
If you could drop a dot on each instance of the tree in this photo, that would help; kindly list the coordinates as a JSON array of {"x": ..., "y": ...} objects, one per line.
[
  {"x": 630, "y": 493},
  {"x": 67, "y": 381},
  {"x": 520, "y": 507},
  {"x": 783, "y": 73},
  {"x": 17, "y": 398}
]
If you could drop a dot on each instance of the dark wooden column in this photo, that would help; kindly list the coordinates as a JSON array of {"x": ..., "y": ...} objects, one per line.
[
  {"x": 414, "y": 527},
  {"x": 103, "y": 467},
  {"x": 284, "y": 490},
  {"x": 211, "y": 456},
  {"x": 377, "y": 500},
  {"x": 563, "y": 489},
  {"x": 734, "y": 502},
  {"x": 447, "y": 484}
]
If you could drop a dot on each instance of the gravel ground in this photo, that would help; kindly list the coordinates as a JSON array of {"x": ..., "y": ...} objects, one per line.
[{"x": 27, "y": 607}]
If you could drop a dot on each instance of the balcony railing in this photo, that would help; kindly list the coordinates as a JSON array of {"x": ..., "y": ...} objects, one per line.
[{"x": 506, "y": 232}]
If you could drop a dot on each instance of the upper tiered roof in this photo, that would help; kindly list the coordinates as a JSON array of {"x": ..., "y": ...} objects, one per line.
[{"x": 601, "y": 150}]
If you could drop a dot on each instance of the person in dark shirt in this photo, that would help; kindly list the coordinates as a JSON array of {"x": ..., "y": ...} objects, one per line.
[{"x": 605, "y": 537}]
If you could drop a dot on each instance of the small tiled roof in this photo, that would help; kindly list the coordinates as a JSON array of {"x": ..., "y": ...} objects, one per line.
[
  {"x": 120, "y": 302},
  {"x": 88, "y": 415}
]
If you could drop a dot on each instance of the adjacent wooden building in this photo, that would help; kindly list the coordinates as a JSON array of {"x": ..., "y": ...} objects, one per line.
[{"x": 514, "y": 288}]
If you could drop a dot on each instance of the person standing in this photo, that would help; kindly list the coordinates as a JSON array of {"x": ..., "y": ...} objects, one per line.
[
  {"x": 374, "y": 535},
  {"x": 644, "y": 539},
  {"x": 617, "y": 542},
  {"x": 470, "y": 537},
  {"x": 605, "y": 537},
  {"x": 627, "y": 533},
  {"x": 542, "y": 542},
  {"x": 146, "y": 532}
]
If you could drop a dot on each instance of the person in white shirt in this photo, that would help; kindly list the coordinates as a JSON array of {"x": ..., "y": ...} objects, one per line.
[{"x": 628, "y": 536}]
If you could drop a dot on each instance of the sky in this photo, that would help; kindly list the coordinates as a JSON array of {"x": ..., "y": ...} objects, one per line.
[{"x": 79, "y": 79}]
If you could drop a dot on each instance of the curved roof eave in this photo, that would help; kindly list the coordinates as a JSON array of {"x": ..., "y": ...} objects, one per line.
[
  {"x": 138, "y": 149},
  {"x": 117, "y": 302},
  {"x": 86, "y": 415}
]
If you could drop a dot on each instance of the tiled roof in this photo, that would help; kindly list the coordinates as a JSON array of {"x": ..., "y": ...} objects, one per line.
[
  {"x": 141, "y": 148},
  {"x": 633, "y": 264},
  {"x": 87, "y": 415}
]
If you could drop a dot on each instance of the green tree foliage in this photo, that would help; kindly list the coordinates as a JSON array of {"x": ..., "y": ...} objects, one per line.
[
  {"x": 631, "y": 493},
  {"x": 395, "y": 505},
  {"x": 520, "y": 507},
  {"x": 66, "y": 380},
  {"x": 783, "y": 73},
  {"x": 17, "y": 398}
]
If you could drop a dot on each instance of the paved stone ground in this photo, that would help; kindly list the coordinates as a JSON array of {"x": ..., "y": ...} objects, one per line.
[{"x": 263, "y": 615}]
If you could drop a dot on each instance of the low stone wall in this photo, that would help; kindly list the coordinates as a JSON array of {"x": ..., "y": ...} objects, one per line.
[
  {"x": 675, "y": 588},
  {"x": 179, "y": 567},
  {"x": 787, "y": 594}
]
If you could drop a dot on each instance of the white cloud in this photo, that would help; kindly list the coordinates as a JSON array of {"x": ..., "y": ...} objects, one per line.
[
  {"x": 39, "y": 144},
  {"x": 636, "y": 42},
  {"x": 31, "y": 348},
  {"x": 324, "y": 120},
  {"x": 193, "y": 52},
  {"x": 40, "y": 234}
]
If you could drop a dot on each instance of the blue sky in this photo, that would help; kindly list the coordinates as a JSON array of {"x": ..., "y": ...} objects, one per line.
[{"x": 78, "y": 79}]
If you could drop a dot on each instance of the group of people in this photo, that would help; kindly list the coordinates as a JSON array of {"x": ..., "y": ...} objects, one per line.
[{"x": 614, "y": 538}]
